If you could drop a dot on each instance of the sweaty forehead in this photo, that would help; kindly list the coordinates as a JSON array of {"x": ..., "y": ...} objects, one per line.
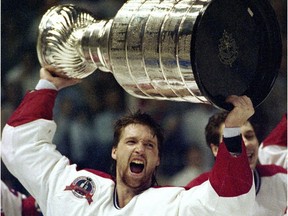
[{"x": 138, "y": 130}]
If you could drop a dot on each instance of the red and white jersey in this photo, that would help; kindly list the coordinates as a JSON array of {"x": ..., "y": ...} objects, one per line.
[
  {"x": 271, "y": 197},
  {"x": 11, "y": 201},
  {"x": 270, "y": 186},
  {"x": 14, "y": 203},
  {"x": 273, "y": 150},
  {"x": 60, "y": 189}
]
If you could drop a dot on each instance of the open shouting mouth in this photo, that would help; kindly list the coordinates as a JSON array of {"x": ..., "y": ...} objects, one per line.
[
  {"x": 136, "y": 166},
  {"x": 250, "y": 155}
]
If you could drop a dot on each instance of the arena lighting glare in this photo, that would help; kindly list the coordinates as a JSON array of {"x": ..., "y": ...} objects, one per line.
[{"x": 199, "y": 51}]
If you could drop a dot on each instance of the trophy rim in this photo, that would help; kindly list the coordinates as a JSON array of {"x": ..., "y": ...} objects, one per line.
[{"x": 267, "y": 66}]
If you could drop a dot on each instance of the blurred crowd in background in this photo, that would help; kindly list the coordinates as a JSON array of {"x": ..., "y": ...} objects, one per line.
[{"x": 85, "y": 113}]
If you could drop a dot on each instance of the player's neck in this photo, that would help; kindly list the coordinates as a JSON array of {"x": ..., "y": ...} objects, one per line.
[{"x": 124, "y": 194}]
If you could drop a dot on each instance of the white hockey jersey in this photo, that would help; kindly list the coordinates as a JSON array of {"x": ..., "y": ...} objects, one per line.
[
  {"x": 273, "y": 150},
  {"x": 60, "y": 189}
]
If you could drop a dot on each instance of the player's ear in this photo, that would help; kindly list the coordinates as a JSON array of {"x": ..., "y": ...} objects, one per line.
[
  {"x": 214, "y": 149},
  {"x": 113, "y": 153},
  {"x": 158, "y": 161}
]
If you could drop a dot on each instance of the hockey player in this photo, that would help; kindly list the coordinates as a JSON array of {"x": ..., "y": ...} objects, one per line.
[{"x": 61, "y": 189}]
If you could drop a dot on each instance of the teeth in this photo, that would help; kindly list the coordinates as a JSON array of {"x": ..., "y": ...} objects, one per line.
[
  {"x": 249, "y": 155},
  {"x": 137, "y": 162}
]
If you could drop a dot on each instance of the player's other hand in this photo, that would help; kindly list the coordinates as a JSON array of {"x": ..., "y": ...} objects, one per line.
[
  {"x": 59, "y": 82},
  {"x": 242, "y": 111}
]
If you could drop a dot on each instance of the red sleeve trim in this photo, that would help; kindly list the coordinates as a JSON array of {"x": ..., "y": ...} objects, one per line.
[
  {"x": 278, "y": 135},
  {"x": 231, "y": 176},
  {"x": 100, "y": 173},
  {"x": 35, "y": 105},
  {"x": 270, "y": 170},
  {"x": 198, "y": 180}
]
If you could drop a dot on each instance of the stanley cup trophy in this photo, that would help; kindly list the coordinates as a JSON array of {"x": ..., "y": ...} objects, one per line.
[{"x": 199, "y": 51}]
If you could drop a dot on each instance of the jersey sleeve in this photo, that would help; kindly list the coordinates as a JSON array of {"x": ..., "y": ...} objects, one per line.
[
  {"x": 11, "y": 201},
  {"x": 278, "y": 136},
  {"x": 230, "y": 176},
  {"x": 27, "y": 149},
  {"x": 273, "y": 149},
  {"x": 228, "y": 189}
]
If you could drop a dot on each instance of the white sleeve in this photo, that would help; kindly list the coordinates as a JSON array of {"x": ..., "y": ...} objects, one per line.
[
  {"x": 273, "y": 154},
  {"x": 11, "y": 203},
  {"x": 29, "y": 154},
  {"x": 231, "y": 132},
  {"x": 45, "y": 84}
]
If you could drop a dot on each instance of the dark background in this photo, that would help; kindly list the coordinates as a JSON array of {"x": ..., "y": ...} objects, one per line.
[{"x": 100, "y": 99}]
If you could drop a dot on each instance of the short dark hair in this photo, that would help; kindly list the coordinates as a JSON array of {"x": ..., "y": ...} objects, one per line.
[
  {"x": 138, "y": 118},
  {"x": 212, "y": 132}
]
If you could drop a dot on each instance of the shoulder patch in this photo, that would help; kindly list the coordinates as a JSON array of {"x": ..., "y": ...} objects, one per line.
[{"x": 82, "y": 187}]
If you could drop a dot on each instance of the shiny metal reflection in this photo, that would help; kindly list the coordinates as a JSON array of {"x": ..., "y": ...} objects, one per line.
[{"x": 146, "y": 46}]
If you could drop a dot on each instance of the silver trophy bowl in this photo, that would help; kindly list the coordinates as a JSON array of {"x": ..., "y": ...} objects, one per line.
[{"x": 181, "y": 50}]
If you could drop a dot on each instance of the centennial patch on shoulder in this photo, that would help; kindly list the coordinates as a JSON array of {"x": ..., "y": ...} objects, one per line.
[{"x": 82, "y": 187}]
